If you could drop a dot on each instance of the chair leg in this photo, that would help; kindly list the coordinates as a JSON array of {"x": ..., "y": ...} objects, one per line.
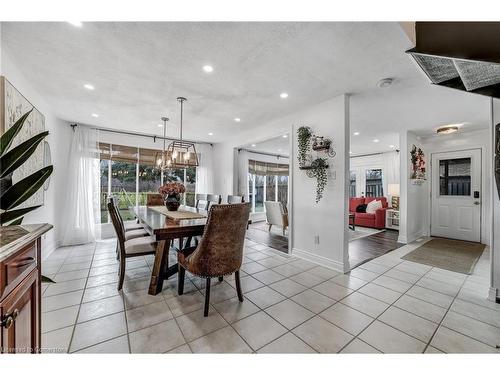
[
  {"x": 238, "y": 285},
  {"x": 207, "y": 298},
  {"x": 117, "y": 250},
  {"x": 221, "y": 278},
  {"x": 121, "y": 274},
  {"x": 270, "y": 225},
  {"x": 180, "y": 281}
]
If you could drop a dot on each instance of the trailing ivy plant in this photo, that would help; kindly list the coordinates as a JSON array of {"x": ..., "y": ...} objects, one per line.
[
  {"x": 319, "y": 171},
  {"x": 304, "y": 142}
]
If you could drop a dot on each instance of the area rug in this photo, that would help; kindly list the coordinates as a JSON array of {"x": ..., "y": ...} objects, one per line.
[
  {"x": 452, "y": 255},
  {"x": 361, "y": 232}
]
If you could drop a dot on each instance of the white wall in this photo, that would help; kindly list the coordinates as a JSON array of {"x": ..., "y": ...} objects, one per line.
[
  {"x": 59, "y": 140},
  {"x": 414, "y": 207},
  {"x": 328, "y": 219},
  {"x": 495, "y": 248}
]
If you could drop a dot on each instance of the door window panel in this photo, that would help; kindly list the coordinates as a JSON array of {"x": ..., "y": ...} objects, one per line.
[
  {"x": 352, "y": 184},
  {"x": 374, "y": 187},
  {"x": 455, "y": 177}
]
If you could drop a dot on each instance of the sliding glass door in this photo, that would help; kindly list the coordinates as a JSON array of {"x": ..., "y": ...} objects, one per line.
[{"x": 267, "y": 182}]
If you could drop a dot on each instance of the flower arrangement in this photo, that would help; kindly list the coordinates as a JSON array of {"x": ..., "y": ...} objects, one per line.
[
  {"x": 172, "y": 188},
  {"x": 417, "y": 163}
]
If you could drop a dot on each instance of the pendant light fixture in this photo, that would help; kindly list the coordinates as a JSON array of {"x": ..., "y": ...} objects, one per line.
[
  {"x": 162, "y": 158},
  {"x": 182, "y": 154}
]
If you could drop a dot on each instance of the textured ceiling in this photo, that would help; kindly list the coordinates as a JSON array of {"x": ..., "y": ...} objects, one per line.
[{"x": 138, "y": 69}]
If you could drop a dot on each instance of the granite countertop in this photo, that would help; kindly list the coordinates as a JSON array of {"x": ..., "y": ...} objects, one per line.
[{"x": 14, "y": 237}]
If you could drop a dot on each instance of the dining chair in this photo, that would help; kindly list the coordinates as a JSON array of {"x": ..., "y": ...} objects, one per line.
[
  {"x": 154, "y": 199},
  {"x": 200, "y": 198},
  {"x": 128, "y": 248},
  {"x": 213, "y": 199},
  {"x": 220, "y": 250},
  {"x": 235, "y": 199}
]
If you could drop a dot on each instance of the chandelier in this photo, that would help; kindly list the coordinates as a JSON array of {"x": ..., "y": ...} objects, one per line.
[
  {"x": 181, "y": 154},
  {"x": 162, "y": 158}
]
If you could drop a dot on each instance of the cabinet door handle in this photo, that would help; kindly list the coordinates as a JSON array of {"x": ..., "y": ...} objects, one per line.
[{"x": 9, "y": 319}]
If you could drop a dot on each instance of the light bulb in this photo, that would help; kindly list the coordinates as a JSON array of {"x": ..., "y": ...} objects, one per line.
[
  {"x": 174, "y": 154},
  {"x": 187, "y": 155}
]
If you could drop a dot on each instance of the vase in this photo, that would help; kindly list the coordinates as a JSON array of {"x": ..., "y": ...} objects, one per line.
[{"x": 172, "y": 202}]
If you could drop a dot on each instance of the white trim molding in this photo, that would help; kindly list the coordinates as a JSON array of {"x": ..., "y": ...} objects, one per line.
[
  {"x": 319, "y": 260},
  {"x": 493, "y": 294}
]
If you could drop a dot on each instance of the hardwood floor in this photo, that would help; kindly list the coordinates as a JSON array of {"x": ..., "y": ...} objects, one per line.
[
  {"x": 360, "y": 250},
  {"x": 367, "y": 248}
]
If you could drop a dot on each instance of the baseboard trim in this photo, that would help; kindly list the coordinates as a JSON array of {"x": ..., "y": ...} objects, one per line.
[
  {"x": 49, "y": 248},
  {"x": 319, "y": 260},
  {"x": 493, "y": 295}
]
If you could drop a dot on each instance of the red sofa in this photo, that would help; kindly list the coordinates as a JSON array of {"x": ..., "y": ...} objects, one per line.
[{"x": 376, "y": 220}]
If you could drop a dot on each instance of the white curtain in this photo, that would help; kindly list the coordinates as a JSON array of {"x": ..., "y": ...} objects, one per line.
[
  {"x": 243, "y": 174},
  {"x": 390, "y": 169},
  {"x": 81, "y": 210},
  {"x": 205, "y": 170}
]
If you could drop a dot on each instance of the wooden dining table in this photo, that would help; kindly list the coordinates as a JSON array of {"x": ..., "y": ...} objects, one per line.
[{"x": 166, "y": 230}]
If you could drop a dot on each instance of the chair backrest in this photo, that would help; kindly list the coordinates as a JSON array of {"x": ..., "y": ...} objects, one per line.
[
  {"x": 117, "y": 223},
  {"x": 235, "y": 199},
  {"x": 200, "y": 198},
  {"x": 274, "y": 212},
  {"x": 154, "y": 199},
  {"x": 220, "y": 250},
  {"x": 114, "y": 202},
  {"x": 213, "y": 199}
]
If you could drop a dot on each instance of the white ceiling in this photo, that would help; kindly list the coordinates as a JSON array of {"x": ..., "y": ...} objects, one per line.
[
  {"x": 138, "y": 70},
  {"x": 277, "y": 146}
]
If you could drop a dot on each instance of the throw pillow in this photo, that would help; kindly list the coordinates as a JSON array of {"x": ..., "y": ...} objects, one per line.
[
  {"x": 373, "y": 206},
  {"x": 361, "y": 208}
]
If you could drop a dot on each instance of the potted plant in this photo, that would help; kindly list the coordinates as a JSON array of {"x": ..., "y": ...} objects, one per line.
[
  {"x": 304, "y": 142},
  {"x": 318, "y": 170},
  {"x": 172, "y": 194}
]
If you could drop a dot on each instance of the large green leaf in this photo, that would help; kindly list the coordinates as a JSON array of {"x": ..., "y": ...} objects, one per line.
[
  {"x": 19, "y": 154},
  {"x": 18, "y": 221},
  {"x": 8, "y": 136},
  {"x": 7, "y": 216},
  {"x": 24, "y": 189}
]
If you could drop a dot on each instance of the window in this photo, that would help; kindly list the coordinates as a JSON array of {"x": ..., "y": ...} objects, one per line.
[
  {"x": 352, "y": 184},
  {"x": 267, "y": 182},
  {"x": 374, "y": 187},
  {"x": 455, "y": 176},
  {"x": 130, "y": 173}
]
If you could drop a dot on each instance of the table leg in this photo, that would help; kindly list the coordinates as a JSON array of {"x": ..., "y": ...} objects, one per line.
[{"x": 161, "y": 263}]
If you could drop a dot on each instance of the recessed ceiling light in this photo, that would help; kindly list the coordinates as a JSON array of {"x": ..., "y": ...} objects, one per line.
[
  {"x": 254, "y": 145},
  {"x": 449, "y": 129},
  {"x": 88, "y": 86},
  {"x": 160, "y": 125},
  {"x": 237, "y": 119},
  {"x": 386, "y": 82},
  {"x": 283, "y": 95},
  {"x": 376, "y": 140},
  {"x": 391, "y": 146},
  {"x": 208, "y": 68},
  {"x": 76, "y": 23},
  {"x": 285, "y": 135},
  {"x": 210, "y": 133},
  {"x": 95, "y": 115},
  {"x": 350, "y": 152},
  {"x": 355, "y": 133},
  {"x": 279, "y": 149}
]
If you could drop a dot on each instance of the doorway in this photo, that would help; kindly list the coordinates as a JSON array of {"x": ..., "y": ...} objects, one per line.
[{"x": 456, "y": 195}]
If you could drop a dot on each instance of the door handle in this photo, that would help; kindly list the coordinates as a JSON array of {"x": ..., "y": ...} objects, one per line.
[{"x": 477, "y": 203}]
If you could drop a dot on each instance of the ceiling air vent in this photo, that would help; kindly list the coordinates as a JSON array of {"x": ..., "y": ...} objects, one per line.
[{"x": 460, "y": 55}]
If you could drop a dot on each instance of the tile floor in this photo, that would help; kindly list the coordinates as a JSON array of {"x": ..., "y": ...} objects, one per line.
[{"x": 291, "y": 306}]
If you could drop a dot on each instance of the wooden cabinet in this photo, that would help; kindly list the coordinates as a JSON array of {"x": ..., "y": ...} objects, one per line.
[{"x": 20, "y": 290}]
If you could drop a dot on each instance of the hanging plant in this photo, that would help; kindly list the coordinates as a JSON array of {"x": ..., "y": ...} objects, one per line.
[
  {"x": 304, "y": 142},
  {"x": 318, "y": 171}
]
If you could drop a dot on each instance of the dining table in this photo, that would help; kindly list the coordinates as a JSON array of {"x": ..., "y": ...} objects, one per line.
[{"x": 166, "y": 227}]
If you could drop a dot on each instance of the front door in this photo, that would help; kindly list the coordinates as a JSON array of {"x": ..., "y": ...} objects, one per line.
[{"x": 456, "y": 195}]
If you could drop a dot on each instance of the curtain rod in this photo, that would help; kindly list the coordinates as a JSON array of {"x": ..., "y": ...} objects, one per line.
[
  {"x": 264, "y": 153},
  {"x": 375, "y": 153},
  {"x": 155, "y": 137}
]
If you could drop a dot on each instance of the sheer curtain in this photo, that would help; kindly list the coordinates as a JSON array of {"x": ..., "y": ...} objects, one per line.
[
  {"x": 205, "y": 170},
  {"x": 390, "y": 169},
  {"x": 81, "y": 211},
  {"x": 243, "y": 173}
]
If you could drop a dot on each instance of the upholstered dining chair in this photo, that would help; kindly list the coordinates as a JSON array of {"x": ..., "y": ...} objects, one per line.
[
  {"x": 213, "y": 199},
  {"x": 220, "y": 250},
  {"x": 128, "y": 248},
  {"x": 235, "y": 199}
]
